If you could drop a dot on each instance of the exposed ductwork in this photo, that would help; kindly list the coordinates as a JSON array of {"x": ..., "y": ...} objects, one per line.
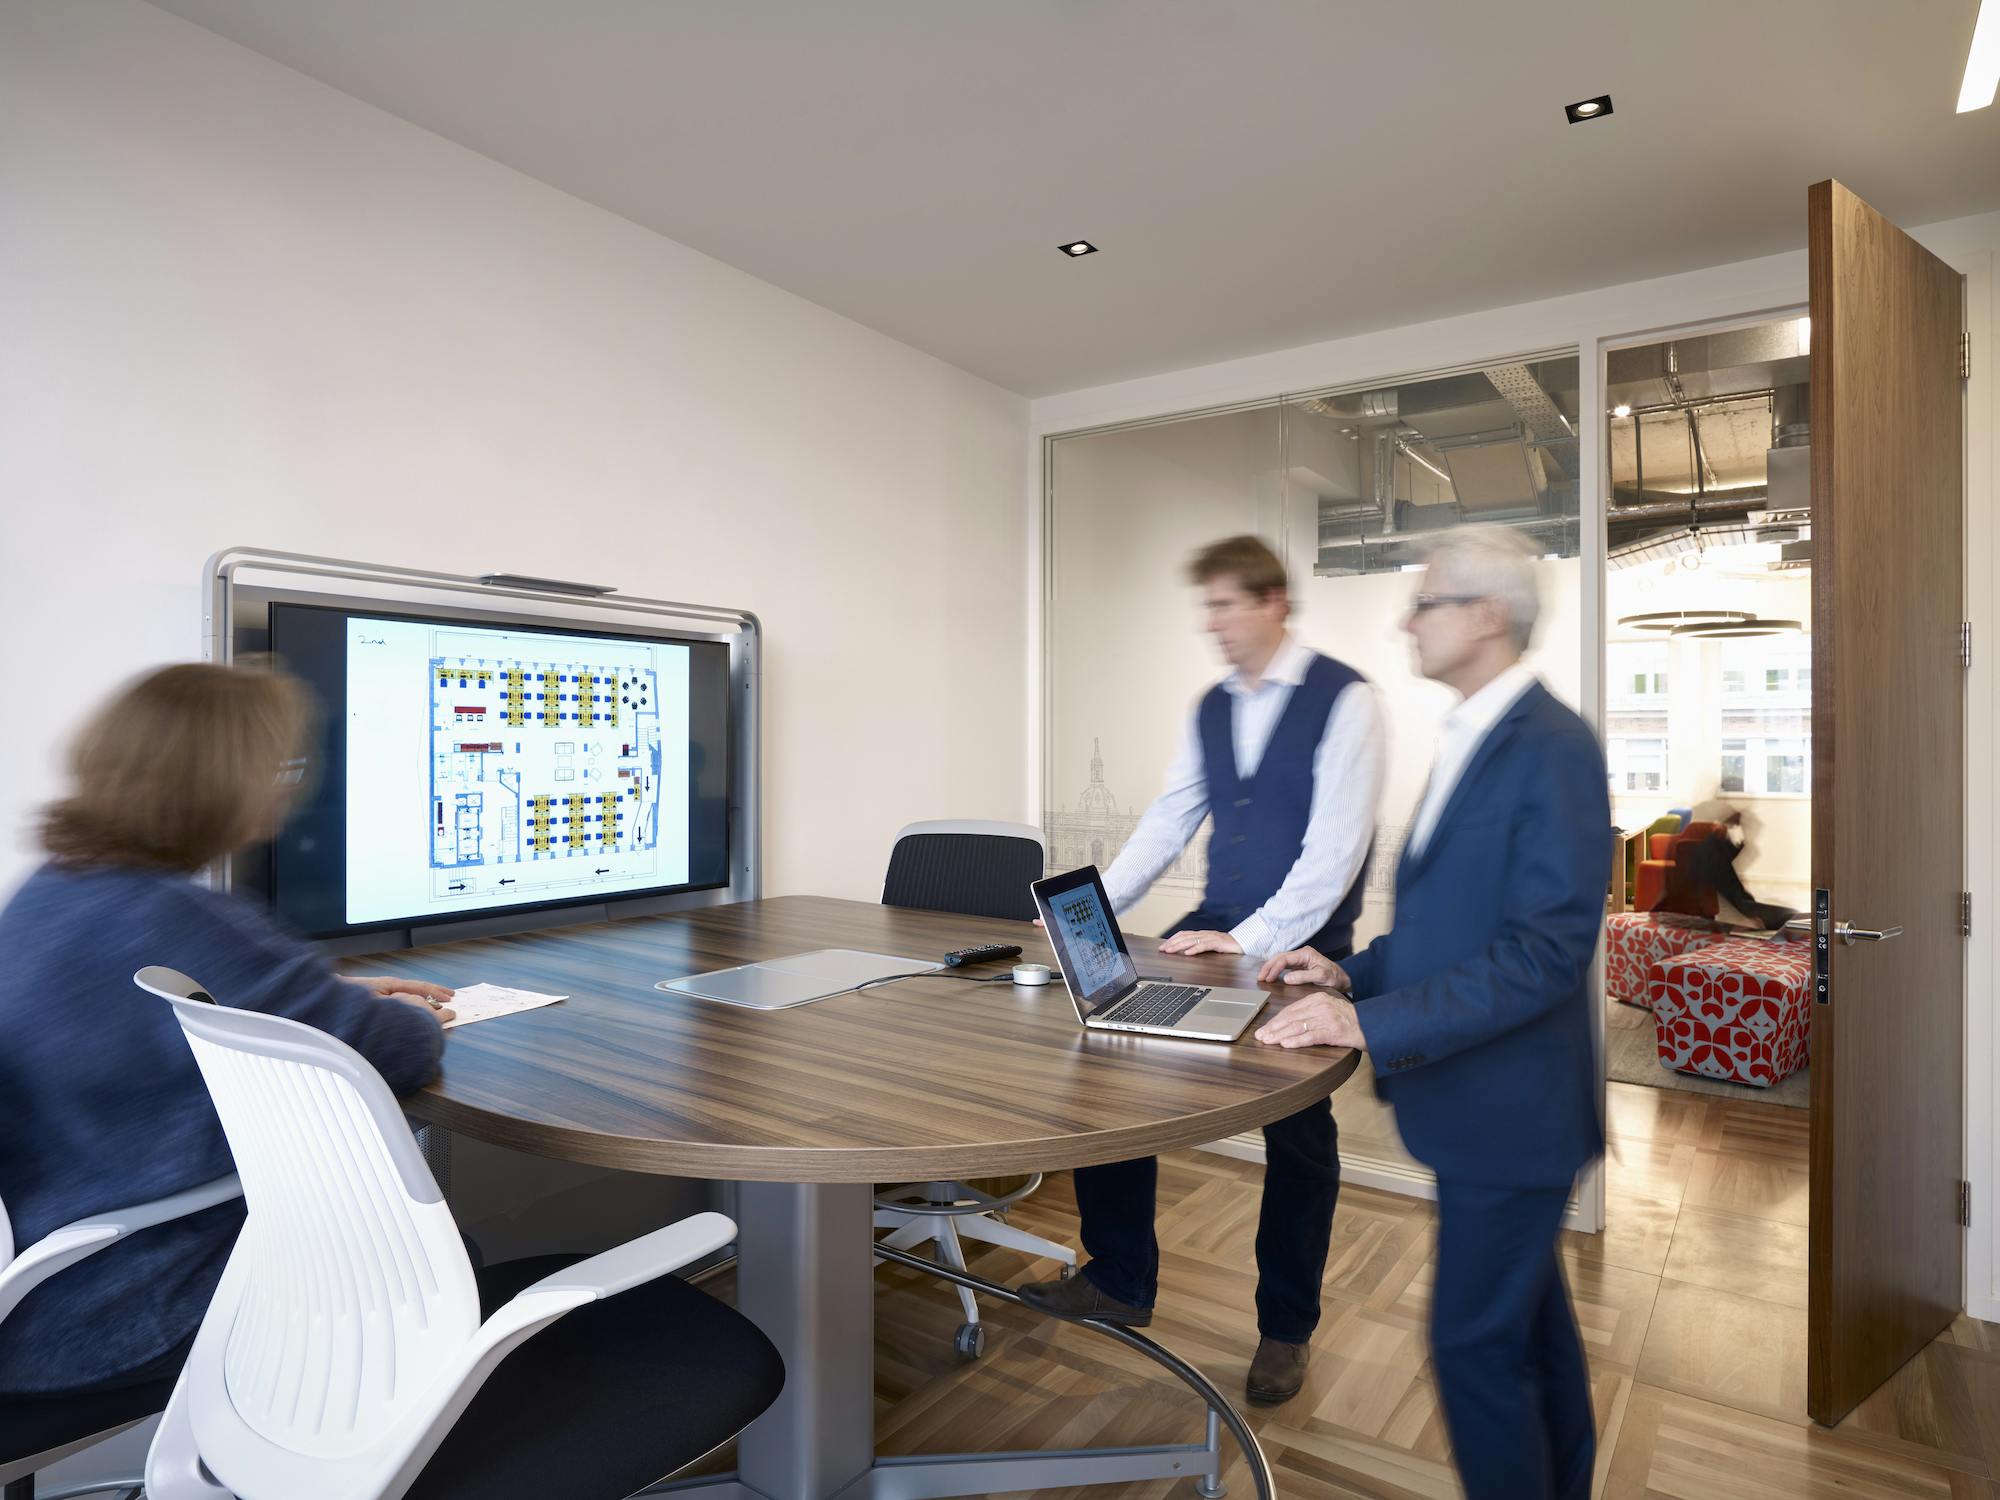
[{"x": 1497, "y": 441}]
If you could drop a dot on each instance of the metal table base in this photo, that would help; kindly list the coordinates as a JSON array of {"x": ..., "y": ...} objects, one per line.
[{"x": 805, "y": 1275}]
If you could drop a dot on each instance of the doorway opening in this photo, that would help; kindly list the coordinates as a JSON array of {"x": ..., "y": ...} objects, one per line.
[{"x": 1708, "y": 713}]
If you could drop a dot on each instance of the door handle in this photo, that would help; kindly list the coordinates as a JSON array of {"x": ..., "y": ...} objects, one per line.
[{"x": 1847, "y": 932}]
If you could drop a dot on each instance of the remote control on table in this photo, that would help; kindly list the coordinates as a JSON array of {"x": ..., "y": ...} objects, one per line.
[{"x": 984, "y": 953}]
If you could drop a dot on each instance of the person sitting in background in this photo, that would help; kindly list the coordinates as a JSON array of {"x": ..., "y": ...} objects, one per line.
[
  {"x": 105, "y": 1107},
  {"x": 1708, "y": 865}
]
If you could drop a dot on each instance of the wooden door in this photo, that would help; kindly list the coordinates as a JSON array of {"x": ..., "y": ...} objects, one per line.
[{"x": 1888, "y": 797}]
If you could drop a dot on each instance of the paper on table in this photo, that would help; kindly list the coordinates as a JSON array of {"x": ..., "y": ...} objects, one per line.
[{"x": 482, "y": 1002}]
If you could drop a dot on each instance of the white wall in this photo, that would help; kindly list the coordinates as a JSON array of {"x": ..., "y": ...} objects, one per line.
[
  {"x": 1639, "y": 312},
  {"x": 243, "y": 308}
]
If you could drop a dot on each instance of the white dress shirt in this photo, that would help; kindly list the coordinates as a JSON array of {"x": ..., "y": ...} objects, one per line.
[
  {"x": 1465, "y": 729},
  {"x": 1340, "y": 828}
]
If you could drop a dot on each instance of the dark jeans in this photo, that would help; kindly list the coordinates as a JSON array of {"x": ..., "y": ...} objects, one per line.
[{"x": 1294, "y": 1222}]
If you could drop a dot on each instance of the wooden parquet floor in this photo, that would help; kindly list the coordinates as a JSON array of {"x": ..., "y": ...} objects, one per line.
[{"x": 1692, "y": 1307}]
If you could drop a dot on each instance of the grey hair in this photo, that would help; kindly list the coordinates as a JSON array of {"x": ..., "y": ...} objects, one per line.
[{"x": 1493, "y": 562}]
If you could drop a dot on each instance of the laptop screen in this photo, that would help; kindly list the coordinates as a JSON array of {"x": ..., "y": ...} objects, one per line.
[{"x": 1087, "y": 941}]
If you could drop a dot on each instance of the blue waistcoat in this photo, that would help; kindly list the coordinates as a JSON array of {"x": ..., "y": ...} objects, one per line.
[{"x": 1260, "y": 823}]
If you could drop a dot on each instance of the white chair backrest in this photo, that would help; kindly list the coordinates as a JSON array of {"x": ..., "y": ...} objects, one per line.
[
  {"x": 982, "y": 827},
  {"x": 349, "y": 1293}
]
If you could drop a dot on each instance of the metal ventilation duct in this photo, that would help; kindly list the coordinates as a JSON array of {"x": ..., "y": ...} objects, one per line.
[{"x": 1498, "y": 441}]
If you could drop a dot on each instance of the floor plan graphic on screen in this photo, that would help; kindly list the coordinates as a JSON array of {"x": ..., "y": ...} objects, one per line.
[{"x": 493, "y": 767}]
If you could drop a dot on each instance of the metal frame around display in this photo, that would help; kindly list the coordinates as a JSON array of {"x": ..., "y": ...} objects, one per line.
[{"x": 303, "y": 578}]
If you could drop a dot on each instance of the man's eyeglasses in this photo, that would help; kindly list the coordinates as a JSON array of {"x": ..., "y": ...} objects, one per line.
[{"x": 1423, "y": 604}]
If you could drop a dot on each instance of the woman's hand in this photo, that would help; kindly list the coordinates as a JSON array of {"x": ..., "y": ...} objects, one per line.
[{"x": 430, "y": 997}]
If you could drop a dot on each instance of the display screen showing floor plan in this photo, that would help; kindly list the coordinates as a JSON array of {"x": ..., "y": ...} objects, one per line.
[{"x": 488, "y": 767}]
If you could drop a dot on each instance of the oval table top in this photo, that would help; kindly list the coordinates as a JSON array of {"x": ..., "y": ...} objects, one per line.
[{"x": 917, "y": 1080}]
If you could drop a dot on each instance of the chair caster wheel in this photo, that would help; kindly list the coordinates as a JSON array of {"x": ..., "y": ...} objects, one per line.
[
  {"x": 1209, "y": 1491},
  {"x": 970, "y": 1340}
]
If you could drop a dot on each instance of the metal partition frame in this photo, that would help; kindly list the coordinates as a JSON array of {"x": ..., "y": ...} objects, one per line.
[{"x": 233, "y": 607}]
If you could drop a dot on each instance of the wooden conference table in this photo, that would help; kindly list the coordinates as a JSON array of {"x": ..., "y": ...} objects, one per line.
[{"x": 807, "y": 1108}]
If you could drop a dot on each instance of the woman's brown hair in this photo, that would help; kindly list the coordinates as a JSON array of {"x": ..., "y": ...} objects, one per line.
[{"x": 183, "y": 766}]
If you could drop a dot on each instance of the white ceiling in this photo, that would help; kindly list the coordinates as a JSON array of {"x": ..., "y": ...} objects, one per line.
[{"x": 1259, "y": 174}]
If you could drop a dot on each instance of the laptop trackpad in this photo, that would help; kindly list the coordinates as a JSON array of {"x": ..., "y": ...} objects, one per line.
[{"x": 1232, "y": 1002}]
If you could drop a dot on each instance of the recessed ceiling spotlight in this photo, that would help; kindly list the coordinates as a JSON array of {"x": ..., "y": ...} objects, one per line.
[
  {"x": 1588, "y": 109},
  {"x": 1079, "y": 247},
  {"x": 1621, "y": 410}
]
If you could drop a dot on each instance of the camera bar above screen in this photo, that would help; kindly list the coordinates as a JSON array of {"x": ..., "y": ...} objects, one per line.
[{"x": 466, "y": 769}]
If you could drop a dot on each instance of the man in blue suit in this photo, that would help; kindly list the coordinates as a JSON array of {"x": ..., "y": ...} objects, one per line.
[{"x": 1475, "y": 1010}]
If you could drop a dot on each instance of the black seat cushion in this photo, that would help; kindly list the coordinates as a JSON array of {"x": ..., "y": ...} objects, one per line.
[
  {"x": 608, "y": 1398},
  {"x": 30, "y": 1425},
  {"x": 968, "y": 874}
]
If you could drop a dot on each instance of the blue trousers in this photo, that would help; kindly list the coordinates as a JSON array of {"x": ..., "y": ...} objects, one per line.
[
  {"x": 1505, "y": 1353},
  {"x": 1294, "y": 1223}
]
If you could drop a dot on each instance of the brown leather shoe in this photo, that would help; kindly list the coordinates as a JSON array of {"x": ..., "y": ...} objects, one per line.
[
  {"x": 1277, "y": 1372},
  {"x": 1078, "y": 1297}
]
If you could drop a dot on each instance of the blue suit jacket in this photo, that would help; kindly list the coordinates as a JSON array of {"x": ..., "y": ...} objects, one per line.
[{"x": 1476, "y": 1007}]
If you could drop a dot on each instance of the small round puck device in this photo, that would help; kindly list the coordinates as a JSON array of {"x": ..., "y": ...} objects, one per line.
[{"x": 1031, "y": 974}]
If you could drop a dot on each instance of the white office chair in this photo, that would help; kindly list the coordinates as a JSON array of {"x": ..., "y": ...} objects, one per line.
[
  {"x": 972, "y": 868},
  {"x": 37, "y": 1433},
  {"x": 344, "y": 1356}
]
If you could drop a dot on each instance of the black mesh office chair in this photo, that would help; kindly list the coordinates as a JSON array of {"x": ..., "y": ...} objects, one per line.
[{"x": 975, "y": 869}]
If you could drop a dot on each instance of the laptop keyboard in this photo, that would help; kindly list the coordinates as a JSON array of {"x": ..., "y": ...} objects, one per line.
[{"x": 1157, "y": 1005}]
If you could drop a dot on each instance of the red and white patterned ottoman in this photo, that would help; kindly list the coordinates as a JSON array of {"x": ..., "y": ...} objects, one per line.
[
  {"x": 1740, "y": 1010},
  {"x": 1636, "y": 940}
]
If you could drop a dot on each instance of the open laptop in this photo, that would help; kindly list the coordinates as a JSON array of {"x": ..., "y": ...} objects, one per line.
[{"x": 1104, "y": 984}]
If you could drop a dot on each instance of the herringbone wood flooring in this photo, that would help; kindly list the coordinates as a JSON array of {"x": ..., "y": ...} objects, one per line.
[{"x": 1691, "y": 1306}]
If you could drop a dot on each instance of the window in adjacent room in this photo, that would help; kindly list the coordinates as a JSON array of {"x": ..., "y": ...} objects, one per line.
[
  {"x": 1635, "y": 721},
  {"x": 1766, "y": 727},
  {"x": 1638, "y": 763},
  {"x": 1732, "y": 765}
]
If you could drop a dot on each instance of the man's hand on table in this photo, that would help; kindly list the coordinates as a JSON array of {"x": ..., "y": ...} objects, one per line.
[
  {"x": 1186, "y": 944},
  {"x": 1315, "y": 1021},
  {"x": 1305, "y": 966}
]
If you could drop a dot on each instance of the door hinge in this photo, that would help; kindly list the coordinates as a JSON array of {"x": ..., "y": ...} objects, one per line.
[
  {"x": 1965, "y": 1204},
  {"x": 1965, "y": 914},
  {"x": 1965, "y": 643},
  {"x": 1965, "y": 356}
]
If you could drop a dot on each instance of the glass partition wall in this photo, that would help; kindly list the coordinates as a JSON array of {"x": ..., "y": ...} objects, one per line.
[{"x": 1348, "y": 486}]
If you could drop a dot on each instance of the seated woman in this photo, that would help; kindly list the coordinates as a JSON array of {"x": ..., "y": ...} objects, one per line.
[{"x": 103, "y": 1106}]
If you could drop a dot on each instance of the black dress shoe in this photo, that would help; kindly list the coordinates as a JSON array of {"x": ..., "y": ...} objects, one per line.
[
  {"x": 1277, "y": 1372},
  {"x": 1078, "y": 1297}
]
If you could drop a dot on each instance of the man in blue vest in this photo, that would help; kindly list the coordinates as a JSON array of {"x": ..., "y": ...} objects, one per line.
[
  {"x": 1286, "y": 756},
  {"x": 1475, "y": 1010}
]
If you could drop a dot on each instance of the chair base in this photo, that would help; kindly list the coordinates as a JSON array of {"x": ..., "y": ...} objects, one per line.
[
  {"x": 806, "y": 1278},
  {"x": 955, "y": 1222}
]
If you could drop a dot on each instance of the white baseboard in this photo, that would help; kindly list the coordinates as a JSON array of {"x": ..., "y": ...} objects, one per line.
[{"x": 1402, "y": 1177}]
